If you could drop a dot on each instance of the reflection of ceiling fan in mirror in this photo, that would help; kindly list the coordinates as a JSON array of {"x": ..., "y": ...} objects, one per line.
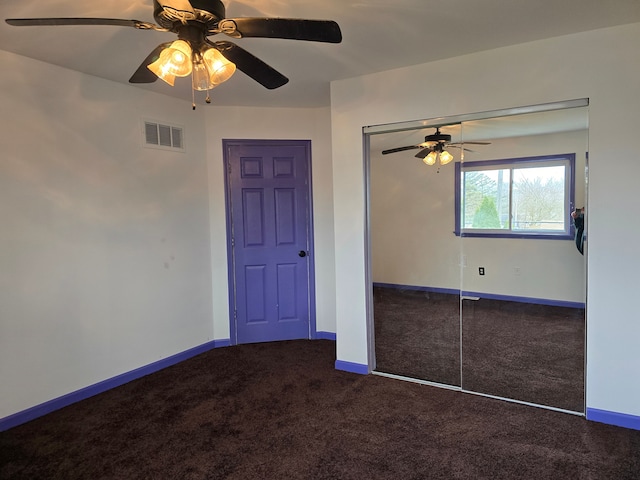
[
  {"x": 433, "y": 148},
  {"x": 209, "y": 63}
]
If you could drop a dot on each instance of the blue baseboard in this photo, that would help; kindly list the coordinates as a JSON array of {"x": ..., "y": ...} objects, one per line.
[
  {"x": 100, "y": 387},
  {"x": 450, "y": 291},
  {"x": 326, "y": 336},
  {"x": 488, "y": 296},
  {"x": 352, "y": 367},
  {"x": 536, "y": 301},
  {"x": 613, "y": 418}
]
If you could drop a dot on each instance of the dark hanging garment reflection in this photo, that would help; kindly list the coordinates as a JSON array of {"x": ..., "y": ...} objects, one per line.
[{"x": 578, "y": 222}]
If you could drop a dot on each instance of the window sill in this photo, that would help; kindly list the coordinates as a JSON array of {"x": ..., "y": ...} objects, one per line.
[{"x": 534, "y": 236}]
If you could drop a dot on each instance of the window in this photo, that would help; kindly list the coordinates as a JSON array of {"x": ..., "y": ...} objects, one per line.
[{"x": 520, "y": 197}]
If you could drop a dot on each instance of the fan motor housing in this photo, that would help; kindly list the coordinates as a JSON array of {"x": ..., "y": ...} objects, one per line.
[
  {"x": 206, "y": 11},
  {"x": 438, "y": 137}
]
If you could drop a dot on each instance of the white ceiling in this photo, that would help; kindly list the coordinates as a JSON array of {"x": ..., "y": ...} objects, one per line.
[
  {"x": 490, "y": 129},
  {"x": 377, "y": 35}
]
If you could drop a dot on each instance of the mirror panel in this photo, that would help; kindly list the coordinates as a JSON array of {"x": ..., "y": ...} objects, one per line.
[
  {"x": 523, "y": 296},
  {"x": 414, "y": 261}
]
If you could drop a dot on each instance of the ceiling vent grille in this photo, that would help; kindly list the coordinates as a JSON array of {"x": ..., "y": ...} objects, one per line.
[{"x": 158, "y": 135}]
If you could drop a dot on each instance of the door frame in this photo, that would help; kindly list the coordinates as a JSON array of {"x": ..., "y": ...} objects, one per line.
[
  {"x": 367, "y": 133},
  {"x": 226, "y": 143}
]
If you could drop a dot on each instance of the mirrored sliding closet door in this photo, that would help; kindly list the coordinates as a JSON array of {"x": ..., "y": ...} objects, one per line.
[{"x": 477, "y": 280}]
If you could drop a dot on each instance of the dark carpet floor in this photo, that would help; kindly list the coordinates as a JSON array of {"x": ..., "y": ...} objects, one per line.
[
  {"x": 417, "y": 334},
  {"x": 528, "y": 352},
  {"x": 281, "y": 411},
  {"x": 533, "y": 353}
]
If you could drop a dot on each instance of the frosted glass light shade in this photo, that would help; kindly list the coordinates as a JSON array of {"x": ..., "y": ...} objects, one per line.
[
  {"x": 174, "y": 61},
  {"x": 201, "y": 78},
  {"x": 445, "y": 157},
  {"x": 431, "y": 158},
  {"x": 220, "y": 69}
]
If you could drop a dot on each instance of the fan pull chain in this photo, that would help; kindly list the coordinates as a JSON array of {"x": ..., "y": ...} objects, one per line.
[{"x": 193, "y": 99}]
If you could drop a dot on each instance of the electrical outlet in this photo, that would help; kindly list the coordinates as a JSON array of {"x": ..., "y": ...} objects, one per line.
[{"x": 481, "y": 270}]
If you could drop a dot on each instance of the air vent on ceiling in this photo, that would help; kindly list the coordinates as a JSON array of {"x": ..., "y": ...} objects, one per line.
[{"x": 158, "y": 135}]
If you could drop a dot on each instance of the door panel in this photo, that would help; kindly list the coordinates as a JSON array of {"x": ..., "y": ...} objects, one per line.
[{"x": 270, "y": 225}]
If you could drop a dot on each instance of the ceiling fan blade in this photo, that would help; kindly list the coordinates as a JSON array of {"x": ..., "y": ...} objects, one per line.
[
  {"x": 143, "y": 74},
  {"x": 289, "y": 28},
  {"x": 423, "y": 153},
  {"x": 470, "y": 143},
  {"x": 453, "y": 145},
  {"x": 30, "y": 22},
  {"x": 182, "y": 6},
  {"x": 400, "y": 149},
  {"x": 251, "y": 65}
]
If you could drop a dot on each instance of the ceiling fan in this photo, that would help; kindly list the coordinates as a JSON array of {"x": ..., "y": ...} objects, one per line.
[
  {"x": 210, "y": 63},
  {"x": 433, "y": 148}
]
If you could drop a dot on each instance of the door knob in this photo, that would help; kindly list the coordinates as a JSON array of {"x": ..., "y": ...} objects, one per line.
[{"x": 302, "y": 253}]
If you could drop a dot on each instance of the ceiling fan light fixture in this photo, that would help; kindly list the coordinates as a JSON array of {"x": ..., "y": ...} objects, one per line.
[
  {"x": 431, "y": 158},
  {"x": 194, "y": 21},
  {"x": 162, "y": 69},
  {"x": 445, "y": 157},
  {"x": 174, "y": 61},
  {"x": 210, "y": 69},
  {"x": 201, "y": 78},
  {"x": 220, "y": 69},
  {"x": 180, "y": 58}
]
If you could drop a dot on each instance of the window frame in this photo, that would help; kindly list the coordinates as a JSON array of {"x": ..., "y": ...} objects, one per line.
[{"x": 509, "y": 163}]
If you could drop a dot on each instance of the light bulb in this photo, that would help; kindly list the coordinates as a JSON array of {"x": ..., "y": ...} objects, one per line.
[
  {"x": 445, "y": 157},
  {"x": 431, "y": 158}
]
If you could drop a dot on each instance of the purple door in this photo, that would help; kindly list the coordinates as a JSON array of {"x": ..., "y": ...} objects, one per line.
[{"x": 270, "y": 243}]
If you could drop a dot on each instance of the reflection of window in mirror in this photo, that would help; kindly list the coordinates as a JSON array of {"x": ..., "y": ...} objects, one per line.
[{"x": 520, "y": 197}]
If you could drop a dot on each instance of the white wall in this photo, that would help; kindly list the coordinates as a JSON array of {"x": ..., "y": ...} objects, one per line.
[
  {"x": 104, "y": 244},
  {"x": 412, "y": 227},
  {"x": 602, "y": 65},
  {"x": 113, "y": 256},
  {"x": 273, "y": 123}
]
